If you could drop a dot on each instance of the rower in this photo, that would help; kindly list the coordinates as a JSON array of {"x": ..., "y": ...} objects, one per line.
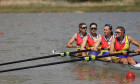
[
  {"x": 121, "y": 43},
  {"x": 105, "y": 41},
  {"x": 78, "y": 37},
  {"x": 89, "y": 41}
]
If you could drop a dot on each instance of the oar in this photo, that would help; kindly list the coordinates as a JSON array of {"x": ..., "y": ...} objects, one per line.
[
  {"x": 54, "y": 51},
  {"x": 96, "y": 57},
  {"x": 62, "y": 62},
  {"x": 42, "y": 57},
  {"x": 41, "y": 65},
  {"x": 132, "y": 55}
]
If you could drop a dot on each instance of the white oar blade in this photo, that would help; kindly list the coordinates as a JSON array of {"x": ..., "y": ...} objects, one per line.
[
  {"x": 137, "y": 65},
  {"x": 55, "y": 51}
]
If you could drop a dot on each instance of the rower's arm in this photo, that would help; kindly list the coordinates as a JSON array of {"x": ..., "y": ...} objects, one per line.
[
  {"x": 112, "y": 46},
  {"x": 84, "y": 45},
  {"x": 69, "y": 44},
  {"x": 95, "y": 48},
  {"x": 134, "y": 41}
]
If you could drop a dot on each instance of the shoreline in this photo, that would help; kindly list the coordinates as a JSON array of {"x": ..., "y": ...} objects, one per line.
[
  {"x": 34, "y": 9},
  {"x": 58, "y": 6}
]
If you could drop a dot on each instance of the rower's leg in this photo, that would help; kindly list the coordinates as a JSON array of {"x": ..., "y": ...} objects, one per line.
[
  {"x": 107, "y": 58},
  {"x": 78, "y": 54},
  {"x": 131, "y": 60},
  {"x": 124, "y": 61}
]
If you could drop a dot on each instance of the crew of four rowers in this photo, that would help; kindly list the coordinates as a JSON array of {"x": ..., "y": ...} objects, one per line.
[{"x": 104, "y": 44}]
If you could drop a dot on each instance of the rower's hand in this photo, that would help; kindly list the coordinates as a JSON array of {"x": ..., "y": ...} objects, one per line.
[
  {"x": 99, "y": 48},
  {"x": 137, "y": 51},
  {"x": 124, "y": 52},
  {"x": 74, "y": 46},
  {"x": 92, "y": 49}
]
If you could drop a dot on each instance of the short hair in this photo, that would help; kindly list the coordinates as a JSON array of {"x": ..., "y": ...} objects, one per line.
[
  {"x": 80, "y": 25},
  {"x": 93, "y": 24}
]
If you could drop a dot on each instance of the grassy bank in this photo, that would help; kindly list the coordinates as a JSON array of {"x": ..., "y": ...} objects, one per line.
[
  {"x": 22, "y": 9},
  {"x": 70, "y": 7}
]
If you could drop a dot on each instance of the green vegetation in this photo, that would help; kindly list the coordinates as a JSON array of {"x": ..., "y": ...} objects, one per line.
[
  {"x": 71, "y": 7},
  {"x": 84, "y": 0},
  {"x": 137, "y": 3},
  {"x": 20, "y": 9}
]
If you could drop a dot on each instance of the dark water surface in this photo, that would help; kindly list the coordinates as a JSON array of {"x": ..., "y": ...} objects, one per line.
[{"x": 28, "y": 35}]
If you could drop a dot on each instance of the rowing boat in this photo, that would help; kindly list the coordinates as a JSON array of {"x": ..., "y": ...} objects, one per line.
[
  {"x": 96, "y": 62},
  {"x": 109, "y": 65}
]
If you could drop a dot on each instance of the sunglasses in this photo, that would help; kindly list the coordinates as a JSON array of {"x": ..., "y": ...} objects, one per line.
[
  {"x": 83, "y": 27},
  {"x": 117, "y": 32},
  {"x": 93, "y": 28}
]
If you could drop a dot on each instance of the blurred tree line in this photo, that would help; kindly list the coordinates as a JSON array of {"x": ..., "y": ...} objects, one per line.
[
  {"x": 84, "y": 0},
  {"x": 91, "y": 0}
]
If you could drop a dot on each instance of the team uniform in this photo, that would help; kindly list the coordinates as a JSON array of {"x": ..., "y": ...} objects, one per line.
[
  {"x": 91, "y": 43},
  {"x": 105, "y": 45},
  {"x": 122, "y": 47},
  {"x": 79, "y": 41}
]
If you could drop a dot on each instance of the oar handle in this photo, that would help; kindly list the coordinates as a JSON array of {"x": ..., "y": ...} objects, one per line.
[
  {"x": 131, "y": 52},
  {"x": 96, "y": 57},
  {"x": 80, "y": 51},
  {"x": 105, "y": 49}
]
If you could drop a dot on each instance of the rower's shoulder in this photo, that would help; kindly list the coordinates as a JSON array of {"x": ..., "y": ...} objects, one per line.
[
  {"x": 129, "y": 38},
  {"x": 75, "y": 34}
]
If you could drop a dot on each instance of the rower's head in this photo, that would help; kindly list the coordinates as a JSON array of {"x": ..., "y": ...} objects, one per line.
[
  {"x": 108, "y": 29},
  {"x": 93, "y": 27},
  {"x": 82, "y": 27},
  {"x": 120, "y": 31}
]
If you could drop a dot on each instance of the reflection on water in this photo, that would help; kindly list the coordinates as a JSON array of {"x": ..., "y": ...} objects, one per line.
[
  {"x": 100, "y": 75},
  {"x": 12, "y": 79}
]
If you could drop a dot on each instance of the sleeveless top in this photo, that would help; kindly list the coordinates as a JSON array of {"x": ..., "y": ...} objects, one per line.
[
  {"x": 122, "y": 47},
  {"x": 91, "y": 41},
  {"x": 79, "y": 40},
  {"x": 105, "y": 44}
]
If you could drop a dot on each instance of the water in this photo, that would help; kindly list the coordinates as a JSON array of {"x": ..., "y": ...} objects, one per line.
[{"x": 28, "y": 35}]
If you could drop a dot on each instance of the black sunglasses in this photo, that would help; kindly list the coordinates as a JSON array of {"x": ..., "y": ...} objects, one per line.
[
  {"x": 83, "y": 27},
  {"x": 93, "y": 28}
]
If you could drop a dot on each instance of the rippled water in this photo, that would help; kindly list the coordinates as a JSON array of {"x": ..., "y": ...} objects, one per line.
[{"x": 28, "y": 35}]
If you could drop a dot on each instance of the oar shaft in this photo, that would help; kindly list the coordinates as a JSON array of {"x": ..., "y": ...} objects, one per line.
[
  {"x": 61, "y": 62},
  {"x": 42, "y": 57},
  {"x": 80, "y": 51},
  {"x": 41, "y": 65},
  {"x": 135, "y": 54},
  {"x": 31, "y": 59},
  {"x": 113, "y": 54}
]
